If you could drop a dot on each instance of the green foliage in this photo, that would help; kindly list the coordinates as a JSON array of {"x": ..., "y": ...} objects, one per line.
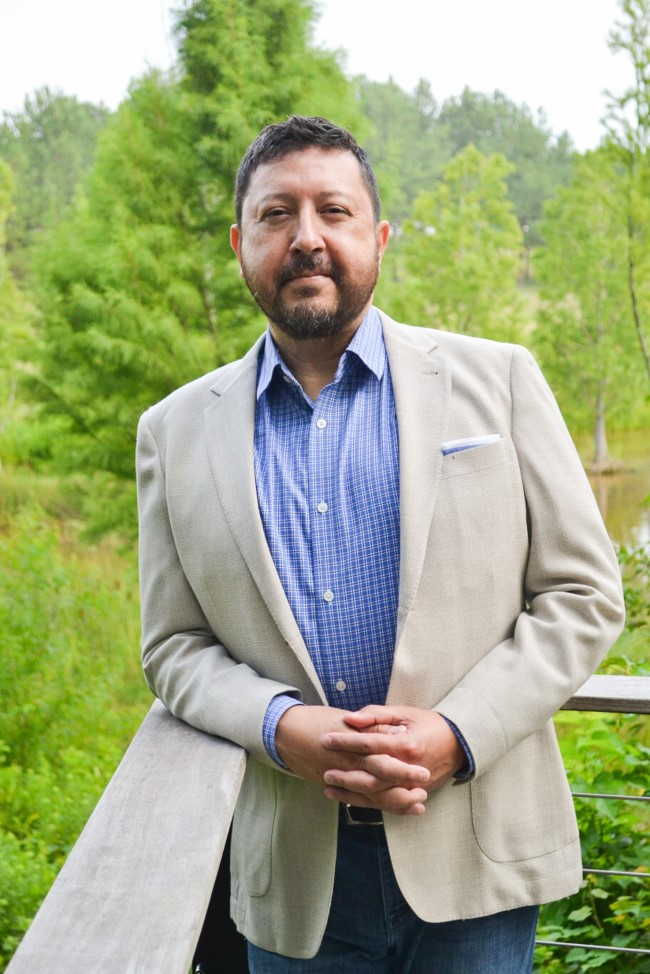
[
  {"x": 604, "y": 754},
  {"x": 141, "y": 291},
  {"x": 628, "y": 124},
  {"x": 635, "y": 565},
  {"x": 413, "y": 138},
  {"x": 16, "y": 326},
  {"x": 71, "y": 695},
  {"x": 585, "y": 338},
  {"x": 494, "y": 124},
  {"x": 407, "y": 145},
  {"x": 50, "y": 146},
  {"x": 460, "y": 254},
  {"x": 608, "y": 754}
]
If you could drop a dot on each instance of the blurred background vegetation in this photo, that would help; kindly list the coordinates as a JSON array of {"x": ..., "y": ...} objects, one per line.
[{"x": 117, "y": 285}]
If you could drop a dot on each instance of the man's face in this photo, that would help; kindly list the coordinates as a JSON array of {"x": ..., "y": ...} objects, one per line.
[{"x": 308, "y": 246}]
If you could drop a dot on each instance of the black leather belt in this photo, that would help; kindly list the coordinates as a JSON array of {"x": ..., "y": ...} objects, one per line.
[{"x": 352, "y": 815}]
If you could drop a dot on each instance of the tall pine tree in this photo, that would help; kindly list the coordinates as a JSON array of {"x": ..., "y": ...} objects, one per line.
[{"x": 141, "y": 291}]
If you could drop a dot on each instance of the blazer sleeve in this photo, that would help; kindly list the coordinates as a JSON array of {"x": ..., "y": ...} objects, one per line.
[
  {"x": 184, "y": 663},
  {"x": 574, "y": 606}
]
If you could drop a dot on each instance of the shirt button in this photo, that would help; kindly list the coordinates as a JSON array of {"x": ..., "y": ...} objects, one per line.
[
  {"x": 321, "y": 423},
  {"x": 322, "y": 508},
  {"x": 328, "y": 595},
  {"x": 341, "y": 685}
]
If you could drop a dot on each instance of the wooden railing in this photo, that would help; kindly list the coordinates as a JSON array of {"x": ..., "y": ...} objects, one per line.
[{"x": 133, "y": 893}]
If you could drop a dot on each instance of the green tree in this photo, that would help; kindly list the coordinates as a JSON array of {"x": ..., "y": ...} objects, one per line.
[
  {"x": 460, "y": 253},
  {"x": 413, "y": 137},
  {"x": 493, "y": 123},
  {"x": 50, "y": 146},
  {"x": 141, "y": 291},
  {"x": 628, "y": 125},
  {"x": 407, "y": 144},
  {"x": 583, "y": 336},
  {"x": 16, "y": 320}
]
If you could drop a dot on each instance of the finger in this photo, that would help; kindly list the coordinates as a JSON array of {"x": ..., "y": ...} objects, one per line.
[
  {"x": 396, "y": 771},
  {"x": 358, "y": 742},
  {"x": 372, "y": 715},
  {"x": 399, "y": 801},
  {"x": 393, "y": 770},
  {"x": 357, "y": 781},
  {"x": 385, "y": 729},
  {"x": 377, "y": 774}
]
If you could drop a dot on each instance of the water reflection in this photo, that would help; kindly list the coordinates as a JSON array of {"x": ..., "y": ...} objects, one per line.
[{"x": 620, "y": 496}]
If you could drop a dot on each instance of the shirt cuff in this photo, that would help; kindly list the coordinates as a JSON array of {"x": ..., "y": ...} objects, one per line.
[
  {"x": 469, "y": 768},
  {"x": 277, "y": 707}
]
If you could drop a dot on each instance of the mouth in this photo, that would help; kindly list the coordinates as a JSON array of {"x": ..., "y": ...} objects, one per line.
[
  {"x": 306, "y": 276},
  {"x": 306, "y": 270}
]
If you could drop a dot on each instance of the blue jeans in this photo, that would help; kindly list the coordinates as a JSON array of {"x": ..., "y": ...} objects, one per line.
[{"x": 372, "y": 930}]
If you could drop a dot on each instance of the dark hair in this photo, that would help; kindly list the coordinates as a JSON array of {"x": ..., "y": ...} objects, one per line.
[{"x": 297, "y": 133}]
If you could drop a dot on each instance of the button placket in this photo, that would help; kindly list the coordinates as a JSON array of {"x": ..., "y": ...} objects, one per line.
[{"x": 323, "y": 474}]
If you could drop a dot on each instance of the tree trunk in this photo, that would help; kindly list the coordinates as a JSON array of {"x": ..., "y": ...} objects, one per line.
[
  {"x": 602, "y": 461},
  {"x": 631, "y": 281}
]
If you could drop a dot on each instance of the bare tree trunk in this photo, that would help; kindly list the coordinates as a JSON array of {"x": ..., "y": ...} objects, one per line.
[
  {"x": 602, "y": 461},
  {"x": 631, "y": 283}
]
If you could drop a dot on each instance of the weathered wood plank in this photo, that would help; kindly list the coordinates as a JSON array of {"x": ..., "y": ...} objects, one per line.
[
  {"x": 133, "y": 893},
  {"x": 613, "y": 694}
]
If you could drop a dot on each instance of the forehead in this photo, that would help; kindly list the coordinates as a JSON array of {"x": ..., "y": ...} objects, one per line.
[{"x": 308, "y": 172}]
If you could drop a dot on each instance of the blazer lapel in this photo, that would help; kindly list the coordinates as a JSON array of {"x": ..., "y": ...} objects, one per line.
[
  {"x": 229, "y": 424},
  {"x": 422, "y": 387}
]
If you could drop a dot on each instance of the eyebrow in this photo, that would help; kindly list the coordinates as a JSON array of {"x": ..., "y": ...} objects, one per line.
[{"x": 284, "y": 197}]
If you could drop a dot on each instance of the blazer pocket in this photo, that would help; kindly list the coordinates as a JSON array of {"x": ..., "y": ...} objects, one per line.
[
  {"x": 522, "y": 806},
  {"x": 478, "y": 458},
  {"x": 253, "y": 829}
]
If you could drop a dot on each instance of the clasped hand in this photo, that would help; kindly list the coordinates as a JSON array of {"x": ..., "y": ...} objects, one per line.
[{"x": 380, "y": 757}]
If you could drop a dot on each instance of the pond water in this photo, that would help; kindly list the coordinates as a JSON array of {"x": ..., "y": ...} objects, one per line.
[{"x": 620, "y": 496}]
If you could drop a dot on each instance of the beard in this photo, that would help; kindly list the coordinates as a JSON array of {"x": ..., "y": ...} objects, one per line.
[{"x": 304, "y": 317}]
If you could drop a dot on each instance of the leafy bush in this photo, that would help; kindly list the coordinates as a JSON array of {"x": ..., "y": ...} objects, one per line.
[
  {"x": 635, "y": 565},
  {"x": 71, "y": 696},
  {"x": 605, "y": 754}
]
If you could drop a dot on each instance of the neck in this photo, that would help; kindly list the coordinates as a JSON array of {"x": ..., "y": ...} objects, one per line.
[{"x": 313, "y": 361}]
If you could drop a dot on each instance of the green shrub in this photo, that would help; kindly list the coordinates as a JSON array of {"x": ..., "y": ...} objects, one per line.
[
  {"x": 71, "y": 696},
  {"x": 605, "y": 754}
]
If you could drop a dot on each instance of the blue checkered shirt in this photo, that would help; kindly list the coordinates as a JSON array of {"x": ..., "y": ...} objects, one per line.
[{"x": 327, "y": 476}]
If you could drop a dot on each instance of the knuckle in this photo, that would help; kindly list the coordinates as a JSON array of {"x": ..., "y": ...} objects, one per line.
[{"x": 412, "y": 751}]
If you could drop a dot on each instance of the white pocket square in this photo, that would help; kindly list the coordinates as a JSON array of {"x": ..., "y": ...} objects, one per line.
[{"x": 468, "y": 443}]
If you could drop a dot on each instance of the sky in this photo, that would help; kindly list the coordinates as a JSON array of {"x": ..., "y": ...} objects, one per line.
[{"x": 551, "y": 55}]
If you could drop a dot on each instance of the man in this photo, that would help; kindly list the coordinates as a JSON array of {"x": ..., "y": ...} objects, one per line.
[{"x": 370, "y": 556}]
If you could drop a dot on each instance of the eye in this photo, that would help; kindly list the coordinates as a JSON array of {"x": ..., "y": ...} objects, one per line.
[
  {"x": 334, "y": 209},
  {"x": 274, "y": 213}
]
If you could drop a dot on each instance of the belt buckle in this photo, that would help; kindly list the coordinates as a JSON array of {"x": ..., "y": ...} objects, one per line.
[{"x": 362, "y": 816}]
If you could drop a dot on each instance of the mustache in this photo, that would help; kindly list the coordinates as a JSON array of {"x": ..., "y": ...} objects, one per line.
[{"x": 308, "y": 263}]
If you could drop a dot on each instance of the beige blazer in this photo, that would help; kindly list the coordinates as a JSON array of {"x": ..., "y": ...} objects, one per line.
[{"x": 509, "y": 596}]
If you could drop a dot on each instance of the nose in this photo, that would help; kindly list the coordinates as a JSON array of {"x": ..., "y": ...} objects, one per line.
[{"x": 307, "y": 237}]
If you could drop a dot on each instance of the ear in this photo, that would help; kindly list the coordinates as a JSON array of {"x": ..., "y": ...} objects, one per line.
[
  {"x": 382, "y": 233},
  {"x": 235, "y": 240}
]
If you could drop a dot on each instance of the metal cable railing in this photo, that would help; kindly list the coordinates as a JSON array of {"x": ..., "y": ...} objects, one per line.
[{"x": 588, "y": 870}]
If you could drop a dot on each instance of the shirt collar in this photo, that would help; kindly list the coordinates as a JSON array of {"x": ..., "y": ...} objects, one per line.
[{"x": 367, "y": 345}]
